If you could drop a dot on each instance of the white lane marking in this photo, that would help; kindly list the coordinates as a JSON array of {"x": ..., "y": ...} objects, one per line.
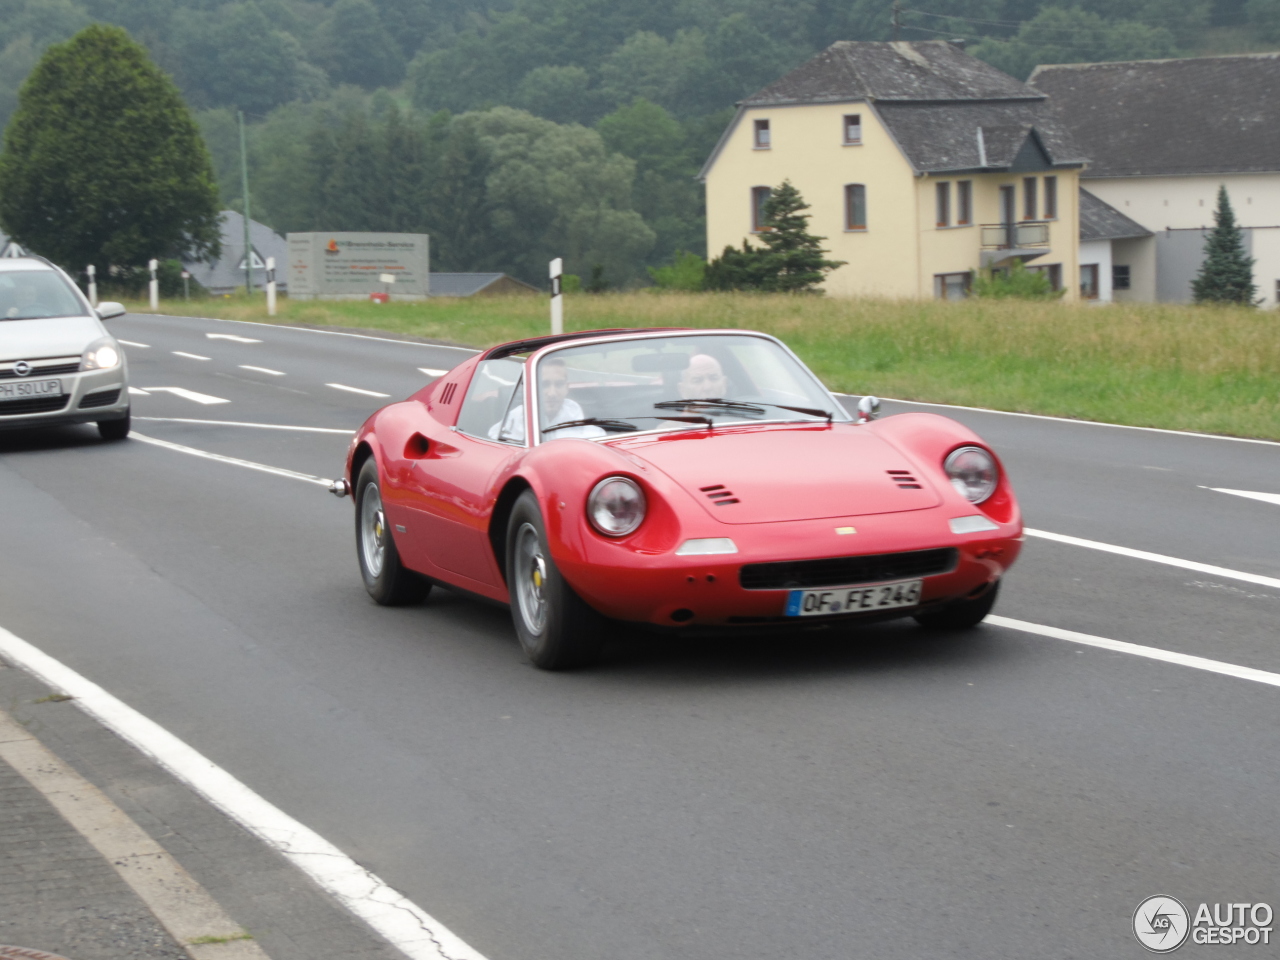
[
  {"x": 433, "y": 373},
  {"x": 395, "y": 917},
  {"x": 189, "y": 356},
  {"x": 234, "y": 461},
  {"x": 237, "y": 423},
  {"x": 1251, "y": 494},
  {"x": 1087, "y": 423},
  {"x": 137, "y": 392},
  {"x": 274, "y": 373},
  {"x": 230, "y": 336},
  {"x": 1138, "y": 650},
  {"x": 186, "y": 394},
  {"x": 367, "y": 393},
  {"x": 331, "y": 333},
  {"x": 130, "y": 343},
  {"x": 1157, "y": 558}
]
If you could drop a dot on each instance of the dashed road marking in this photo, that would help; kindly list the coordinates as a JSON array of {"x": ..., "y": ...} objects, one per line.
[
  {"x": 367, "y": 393},
  {"x": 234, "y": 461},
  {"x": 274, "y": 373},
  {"x": 1251, "y": 494},
  {"x": 138, "y": 392},
  {"x": 130, "y": 343},
  {"x": 189, "y": 356},
  {"x": 186, "y": 394},
  {"x": 433, "y": 373},
  {"x": 238, "y": 423},
  {"x": 230, "y": 336}
]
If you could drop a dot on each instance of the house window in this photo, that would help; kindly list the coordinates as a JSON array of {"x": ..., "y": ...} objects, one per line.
[
  {"x": 951, "y": 286},
  {"x": 1028, "y": 198},
  {"x": 1089, "y": 281},
  {"x": 855, "y": 206},
  {"x": 1051, "y": 198},
  {"x": 759, "y": 197},
  {"x": 1053, "y": 271},
  {"x": 944, "y": 203},
  {"x": 852, "y": 128},
  {"x": 964, "y": 202},
  {"x": 1120, "y": 276},
  {"x": 762, "y": 135}
]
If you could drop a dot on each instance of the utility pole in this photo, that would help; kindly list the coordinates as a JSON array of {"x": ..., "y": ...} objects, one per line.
[
  {"x": 244, "y": 187},
  {"x": 897, "y": 32}
]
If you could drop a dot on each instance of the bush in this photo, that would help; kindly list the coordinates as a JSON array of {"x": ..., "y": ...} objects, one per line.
[
  {"x": 1017, "y": 282},
  {"x": 687, "y": 271}
]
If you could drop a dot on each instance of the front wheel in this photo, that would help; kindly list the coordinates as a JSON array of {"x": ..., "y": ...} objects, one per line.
[
  {"x": 961, "y": 614},
  {"x": 556, "y": 628},
  {"x": 115, "y": 429},
  {"x": 385, "y": 577}
]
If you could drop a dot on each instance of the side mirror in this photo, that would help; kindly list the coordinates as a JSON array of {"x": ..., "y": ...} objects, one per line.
[
  {"x": 108, "y": 309},
  {"x": 868, "y": 409}
]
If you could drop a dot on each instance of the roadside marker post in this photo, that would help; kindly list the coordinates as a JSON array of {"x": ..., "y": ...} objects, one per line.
[
  {"x": 154, "y": 286},
  {"x": 91, "y": 270},
  {"x": 557, "y": 297},
  {"x": 271, "y": 286},
  {"x": 186, "y": 285}
]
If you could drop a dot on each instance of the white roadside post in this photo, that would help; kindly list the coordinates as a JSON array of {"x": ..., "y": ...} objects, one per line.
[
  {"x": 388, "y": 279},
  {"x": 557, "y": 297},
  {"x": 186, "y": 285},
  {"x": 93, "y": 285},
  {"x": 154, "y": 286},
  {"x": 271, "y": 286}
]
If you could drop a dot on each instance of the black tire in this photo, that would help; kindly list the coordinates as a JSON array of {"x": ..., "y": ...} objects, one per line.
[
  {"x": 388, "y": 581},
  {"x": 115, "y": 429},
  {"x": 962, "y": 614},
  {"x": 556, "y": 628}
]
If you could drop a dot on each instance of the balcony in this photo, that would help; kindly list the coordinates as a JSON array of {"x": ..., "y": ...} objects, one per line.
[{"x": 1003, "y": 242}]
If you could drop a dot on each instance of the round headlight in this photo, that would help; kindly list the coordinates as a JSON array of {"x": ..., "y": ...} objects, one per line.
[
  {"x": 972, "y": 471},
  {"x": 616, "y": 506},
  {"x": 100, "y": 356}
]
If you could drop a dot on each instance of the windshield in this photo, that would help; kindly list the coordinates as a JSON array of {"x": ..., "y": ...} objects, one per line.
[
  {"x": 35, "y": 294},
  {"x": 670, "y": 382}
]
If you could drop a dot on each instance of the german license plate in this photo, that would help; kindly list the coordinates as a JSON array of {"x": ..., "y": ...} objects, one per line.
[
  {"x": 881, "y": 596},
  {"x": 29, "y": 388}
]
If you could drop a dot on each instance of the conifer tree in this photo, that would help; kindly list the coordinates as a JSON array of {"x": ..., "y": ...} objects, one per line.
[{"x": 1226, "y": 276}]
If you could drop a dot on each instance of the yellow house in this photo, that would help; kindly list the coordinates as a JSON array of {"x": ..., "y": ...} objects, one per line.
[{"x": 920, "y": 165}]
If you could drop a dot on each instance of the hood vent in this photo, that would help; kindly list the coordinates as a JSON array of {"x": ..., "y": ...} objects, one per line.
[
  {"x": 718, "y": 495},
  {"x": 904, "y": 479}
]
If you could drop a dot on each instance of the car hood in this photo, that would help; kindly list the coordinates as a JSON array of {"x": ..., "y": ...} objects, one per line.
[
  {"x": 772, "y": 474},
  {"x": 49, "y": 337}
]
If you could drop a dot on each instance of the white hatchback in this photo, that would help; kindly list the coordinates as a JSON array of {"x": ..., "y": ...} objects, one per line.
[{"x": 58, "y": 363}]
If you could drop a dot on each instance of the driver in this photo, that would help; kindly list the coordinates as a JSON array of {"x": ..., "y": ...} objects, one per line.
[
  {"x": 703, "y": 379},
  {"x": 556, "y": 407},
  {"x": 23, "y": 298}
]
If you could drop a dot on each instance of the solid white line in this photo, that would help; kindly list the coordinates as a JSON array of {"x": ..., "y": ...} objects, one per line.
[
  {"x": 1087, "y": 423},
  {"x": 234, "y": 461},
  {"x": 367, "y": 393},
  {"x": 334, "y": 333},
  {"x": 406, "y": 925},
  {"x": 433, "y": 373},
  {"x": 1138, "y": 650},
  {"x": 274, "y": 373},
  {"x": 189, "y": 356},
  {"x": 137, "y": 392},
  {"x": 230, "y": 336},
  {"x": 186, "y": 394},
  {"x": 1156, "y": 558},
  {"x": 237, "y": 423},
  {"x": 130, "y": 343},
  {"x": 1251, "y": 494}
]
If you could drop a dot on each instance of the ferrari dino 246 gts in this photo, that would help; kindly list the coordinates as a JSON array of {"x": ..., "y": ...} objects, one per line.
[{"x": 678, "y": 478}]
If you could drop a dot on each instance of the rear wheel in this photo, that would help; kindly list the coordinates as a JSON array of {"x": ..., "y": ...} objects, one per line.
[
  {"x": 556, "y": 628},
  {"x": 385, "y": 577},
  {"x": 115, "y": 429},
  {"x": 961, "y": 614}
]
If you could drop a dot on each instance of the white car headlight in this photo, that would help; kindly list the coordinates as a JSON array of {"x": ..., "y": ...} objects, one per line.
[
  {"x": 616, "y": 506},
  {"x": 973, "y": 472},
  {"x": 102, "y": 355}
]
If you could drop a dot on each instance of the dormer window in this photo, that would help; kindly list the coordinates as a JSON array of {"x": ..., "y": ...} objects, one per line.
[
  {"x": 852, "y": 128},
  {"x": 762, "y": 135}
]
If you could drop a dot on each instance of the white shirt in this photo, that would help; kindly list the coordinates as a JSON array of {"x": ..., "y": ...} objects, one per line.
[{"x": 513, "y": 427}]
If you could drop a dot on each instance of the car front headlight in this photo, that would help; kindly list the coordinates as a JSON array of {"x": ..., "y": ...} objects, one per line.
[
  {"x": 973, "y": 472},
  {"x": 616, "y": 506},
  {"x": 101, "y": 355}
]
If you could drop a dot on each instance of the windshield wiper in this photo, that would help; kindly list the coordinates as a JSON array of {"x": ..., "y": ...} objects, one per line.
[
  {"x": 603, "y": 423},
  {"x": 709, "y": 402},
  {"x": 811, "y": 411}
]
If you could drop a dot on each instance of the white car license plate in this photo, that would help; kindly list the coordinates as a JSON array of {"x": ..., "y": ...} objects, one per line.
[
  {"x": 881, "y": 596},
  {"x": 29, "y": 388}
]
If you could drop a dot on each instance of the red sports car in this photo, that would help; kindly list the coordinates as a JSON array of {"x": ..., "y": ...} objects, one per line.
[{"x": 678, "y": 478}]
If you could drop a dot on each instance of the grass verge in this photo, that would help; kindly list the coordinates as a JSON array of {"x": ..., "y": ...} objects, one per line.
[{"x": 1208, "y": 369}]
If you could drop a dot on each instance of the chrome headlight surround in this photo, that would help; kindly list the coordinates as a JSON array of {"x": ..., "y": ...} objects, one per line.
[
  {"x": 616, "y": 506},
  {"x": 972, "y": 472},
  {"x": 100, "y": 355}
]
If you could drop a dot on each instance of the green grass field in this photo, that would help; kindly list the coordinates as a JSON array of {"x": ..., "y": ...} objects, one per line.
[{"x": 1209, "y": 369}]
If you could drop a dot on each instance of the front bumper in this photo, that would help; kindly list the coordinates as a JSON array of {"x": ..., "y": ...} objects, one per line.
[{"x": 89, "y": 397}]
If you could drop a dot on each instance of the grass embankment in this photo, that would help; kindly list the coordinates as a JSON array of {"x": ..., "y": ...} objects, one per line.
[{"x": 1215, "y": 370}]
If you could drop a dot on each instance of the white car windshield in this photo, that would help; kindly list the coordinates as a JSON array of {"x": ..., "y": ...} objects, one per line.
[
  {"x": 36, "y": 294},
  {"x": 672, "y": 381}
]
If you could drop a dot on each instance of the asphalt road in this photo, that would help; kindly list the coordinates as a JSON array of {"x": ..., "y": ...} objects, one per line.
[{"x": 889, "y": 794}]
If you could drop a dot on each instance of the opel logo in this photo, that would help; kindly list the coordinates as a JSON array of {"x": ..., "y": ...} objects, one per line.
[{"x": 22, "y": 368}]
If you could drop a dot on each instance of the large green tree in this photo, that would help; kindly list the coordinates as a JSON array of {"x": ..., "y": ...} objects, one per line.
[
  {"x": 1226, "y": 276},
  {"x": 102, "y": 161}
]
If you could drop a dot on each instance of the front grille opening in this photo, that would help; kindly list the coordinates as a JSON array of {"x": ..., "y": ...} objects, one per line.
[
  {"x": 103, "y": 398},
  {"x": 43, "y": 368},
  {"x": 13, "y": 408},
  {"x": 847, "y": 571}
]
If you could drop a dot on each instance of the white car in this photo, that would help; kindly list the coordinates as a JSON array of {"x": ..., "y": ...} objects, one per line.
[{"x": 58, "y": 363}]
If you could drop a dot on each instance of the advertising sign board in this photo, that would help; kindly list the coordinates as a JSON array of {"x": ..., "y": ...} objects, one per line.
[{"x": 341, "y": 266}]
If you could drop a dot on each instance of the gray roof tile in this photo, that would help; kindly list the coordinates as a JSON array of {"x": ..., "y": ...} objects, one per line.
[
  {"x": 1101, "y": 221},
  {"x": 946, "y": 137}
]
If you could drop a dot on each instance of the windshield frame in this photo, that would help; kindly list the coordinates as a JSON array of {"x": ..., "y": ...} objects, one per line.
[{"x": 533, "y": 400}]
